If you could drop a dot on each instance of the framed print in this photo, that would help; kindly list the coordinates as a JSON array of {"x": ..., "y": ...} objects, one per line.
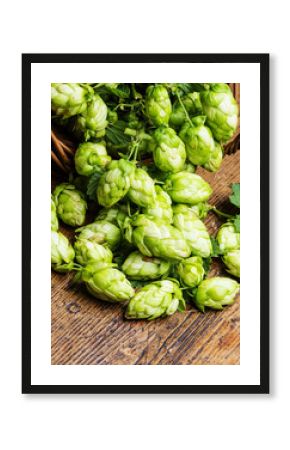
[{"x": 146, "y": 228}]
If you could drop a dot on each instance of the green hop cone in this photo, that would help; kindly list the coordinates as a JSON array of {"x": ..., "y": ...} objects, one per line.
[
  {"x": 115, "y": 183},
  {"x": 157, "y": 299},
  {"x": 62, "y": 253},
  {"x": 142, "y": 189},
  {"x": 198, "y": 140},
  {"x": 69, "y": 99},
  {"x": 139, "y": 267},
  {"x": 232, "y": 262},
  {"x": 101, "y": 232},
  {"x": 227, "y": 238},
  {"x": 156, "y": 238},
  {"x": 105, "y": 282},
  {"x": 215, "y": 159},
  {"x": 54, "y": 219},
  {"x": 216, "y": 292},
  {"x": 91, "y": 124},
  {"x": 89, "y": 252},
  {"x": 168, "y": 150},
  {"x": 191, "y": 271},
  {"x": 91, "y": 157},
  {"x": 221, "y": 109},
  {"x": 115, "y": 215},
  {"x": 70, "y": 203},
  {"x": 191, "y": 103},
  {"x": 185, "y": 187},
  {"x": 161, "y": 209},
  {"x": 158, "y": 105},
  {"x": 193, "y": 230}
]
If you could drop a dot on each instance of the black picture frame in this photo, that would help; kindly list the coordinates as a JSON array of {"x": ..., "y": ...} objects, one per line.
[{"x": 27, "y": 60}]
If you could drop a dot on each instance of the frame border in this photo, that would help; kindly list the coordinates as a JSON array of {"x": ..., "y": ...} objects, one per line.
[{"x": 263, "y": 60}]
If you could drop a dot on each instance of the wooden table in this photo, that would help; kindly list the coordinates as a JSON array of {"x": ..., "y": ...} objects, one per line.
[{"x": 87, "y": 331}]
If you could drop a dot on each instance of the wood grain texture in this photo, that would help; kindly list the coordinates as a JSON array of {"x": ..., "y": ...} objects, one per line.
[{"x": 87, "y": 331}]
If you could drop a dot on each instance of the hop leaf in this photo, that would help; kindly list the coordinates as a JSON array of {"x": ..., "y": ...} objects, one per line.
[
  {"x": 215, "y": 248},
  {"x": 237, "y": 223},
  {"x": 235, "y": 197},
  {"x": 115, "y": 133},
  {"x": 120, "y": 90},
  {"x": 207, "y": 263},
  {"x": 92, "y": 185}
]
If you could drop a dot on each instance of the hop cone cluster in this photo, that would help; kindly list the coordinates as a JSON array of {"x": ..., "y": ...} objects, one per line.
[{"x": 138, "y": 148}]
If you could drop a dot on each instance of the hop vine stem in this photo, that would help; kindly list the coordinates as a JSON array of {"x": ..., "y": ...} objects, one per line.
[{"x": 221, "y": 213}]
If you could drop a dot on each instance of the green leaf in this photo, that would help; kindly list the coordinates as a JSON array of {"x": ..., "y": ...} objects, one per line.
[
  {"x": 118, "y": 89},
  {"x": 235, "y": 197},
  {"x": 182, "y": 305},
  {"x": 207, "y": 263},
  {"x": 115, "y": 133},
  {"x": 187, "y": 295},
  {"x": 121, "y": 90},
  {"x": 194, "y": 291},
  {"x": 237, "y": 223},
  {"x": 92, "y": 185},
  {"x": 215, "y": 248}
]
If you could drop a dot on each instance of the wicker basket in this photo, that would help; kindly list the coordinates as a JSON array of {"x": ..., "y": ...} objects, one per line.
[{"x": 63, "y": 149}]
